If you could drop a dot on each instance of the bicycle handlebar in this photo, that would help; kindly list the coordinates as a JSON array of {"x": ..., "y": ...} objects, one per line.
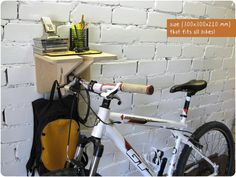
[
  {"x": 124, "y": 87},
  {"x": 137, "y": 88}
]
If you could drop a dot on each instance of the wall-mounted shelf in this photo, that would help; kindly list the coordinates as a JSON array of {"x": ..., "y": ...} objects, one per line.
[{"x": 58, "y": 68}]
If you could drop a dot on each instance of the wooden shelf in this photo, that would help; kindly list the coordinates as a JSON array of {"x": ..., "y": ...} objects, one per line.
[{"x": 58, "y": 68}]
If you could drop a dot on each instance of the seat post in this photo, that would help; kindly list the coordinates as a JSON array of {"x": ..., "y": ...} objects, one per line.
[{"x": 186, "y": 106}]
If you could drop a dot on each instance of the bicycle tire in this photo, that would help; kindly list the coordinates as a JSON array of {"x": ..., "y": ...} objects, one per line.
[{"x": 203, "y": 167}]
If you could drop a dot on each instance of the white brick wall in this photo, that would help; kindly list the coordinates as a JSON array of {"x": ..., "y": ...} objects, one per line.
[
  {"x": 9, "y": 10},
  {"x": 136, "y": 32},
  {"x": 190, "y": 8},
  {"x": 135, "y": 17},
  {"x": 158, "y": 19},
  {"x": 94, "y": 14},
  {"x": 169, "y": 6},
  {"x": 36, "y": 10},
  {"x": 22, "y": 32},
  {"x": 139, "y": 51}
]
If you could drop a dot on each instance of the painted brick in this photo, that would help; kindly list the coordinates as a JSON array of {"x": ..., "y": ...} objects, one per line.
[
  {"x": 119, "y": 69},
  {"x": 209, "y": 64},
  {"x": 13, "y": 96},
  {"x": 92, "y": 13},
  {"x": 190, "y": 8},
  {"x": 138, "y": 4},
  {"x": 63, "y": 30},
  {"x": 19, "y": 115},
  {"x": 216, "y": 116},
  {"x": 228, "y": 63},
  {"x": 153, "y": 35},
  {"x": 117, "y": 168},
  {"x": 128, "y": 16},
  {"x": 166, "y": 105},
  {"x": 229, "y": 84},
  {"x": 126, "y": 99},
  {"x": 209, "y": 99},
  {"x": 216, "y": 86},
  {"x": 36, "y": 10},
  {"x": 109, "y": 147},
  {"x": 158, "y": 19},
  {"x": 106, "y": 159},
  {"x": 203, "y": 75},
  {"x": 230, "y": 41},
  {"x": 217, "y": 41},
  {"x": 192, "y": 51},
  {"x": 15, "y": 53},
  {"x": 200, "y": 40},
  {"x": 164, "y": 50},
  {"x": 230, "y": 13},
  {"x": 162, "y": 81},
  {"x": 184, "y": 77},
  {"x": 18, "y": 133},
  {"x": 195, "y": 113},
  {"x": 151, "y": 67},
  {"x": 9, "y": 10},
  {"x": 27, "y": 31},
  {"x": 215, "y": 12},
  {"x": 145, "y": 110},
  {"x": 169, "y": 6},
  {"x": 4, "y": 22},
  {"x": 94, "y": 33},
  {"x": 23, "y": 149},
  {"x": 136, "y": 139},
  {"x": 165, "y": 94},
  {"x": 178, "y": 66},
  {"x": 131, "y": 79},
  {"x": 212, "y": 108},
  {"x": 139, "y": 99},
  {"x": 226, "y": 95},
  {"x": 142, "y": 51},
  {"x": 21, "y": 74},
  {"x": 7, "y": 152},
  {"x": 16, "y": 168},
  {"x": 213, "y": 63},
  {"x": 182, "y": 40},
  {"x": 109, "y": 48},
  {"x": 3, "y": 76},
  {"x": 212, "y": 52},
  {"x": 116, "y": 33},
  {"x": 218, "y": 75},
  {"x": 226, "y": 4}
]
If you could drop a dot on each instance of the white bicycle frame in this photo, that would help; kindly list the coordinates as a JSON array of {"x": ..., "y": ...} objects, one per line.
[
  {"x": 123, "y": 145},
  {"x": 106, "y": 117}
]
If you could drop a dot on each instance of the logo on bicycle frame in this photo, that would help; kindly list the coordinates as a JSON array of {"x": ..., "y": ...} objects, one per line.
[{"x": 135, "y": 158}]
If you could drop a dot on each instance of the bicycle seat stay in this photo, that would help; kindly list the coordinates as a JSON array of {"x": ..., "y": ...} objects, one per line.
[{"x": 190, "y": 87}]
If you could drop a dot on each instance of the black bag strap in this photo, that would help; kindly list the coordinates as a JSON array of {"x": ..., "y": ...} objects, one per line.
[
  {"x": 55, "y": 84},
  {"x": 30, "y": 166}
]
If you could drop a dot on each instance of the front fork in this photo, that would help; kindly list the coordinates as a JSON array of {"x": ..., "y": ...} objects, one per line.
[{"x": 97, "y": 152}]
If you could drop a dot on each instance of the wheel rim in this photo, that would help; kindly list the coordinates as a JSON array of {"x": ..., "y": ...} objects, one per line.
[{"x": 216, "y": 151}]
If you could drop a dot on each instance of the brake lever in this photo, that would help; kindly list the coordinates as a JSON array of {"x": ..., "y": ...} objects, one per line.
[
  {"x": 111, "y": 92},
  {"x": 114, "y": 96}
]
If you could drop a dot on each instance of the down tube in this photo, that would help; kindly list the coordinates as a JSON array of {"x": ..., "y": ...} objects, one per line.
[{"x": 123, "y": 145}]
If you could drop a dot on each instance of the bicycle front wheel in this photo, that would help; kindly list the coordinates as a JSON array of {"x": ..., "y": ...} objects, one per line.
[{"x": 217, "y": 144}]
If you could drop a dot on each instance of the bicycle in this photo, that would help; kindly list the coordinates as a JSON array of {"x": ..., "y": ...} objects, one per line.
[{"x": 196, "y": 158}]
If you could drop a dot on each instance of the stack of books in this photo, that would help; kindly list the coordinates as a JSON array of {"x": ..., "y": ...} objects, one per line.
[{"x": 43, "y": 46}]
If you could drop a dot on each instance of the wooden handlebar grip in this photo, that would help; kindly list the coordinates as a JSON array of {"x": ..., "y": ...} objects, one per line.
[{"x": 135, "y": 88}]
